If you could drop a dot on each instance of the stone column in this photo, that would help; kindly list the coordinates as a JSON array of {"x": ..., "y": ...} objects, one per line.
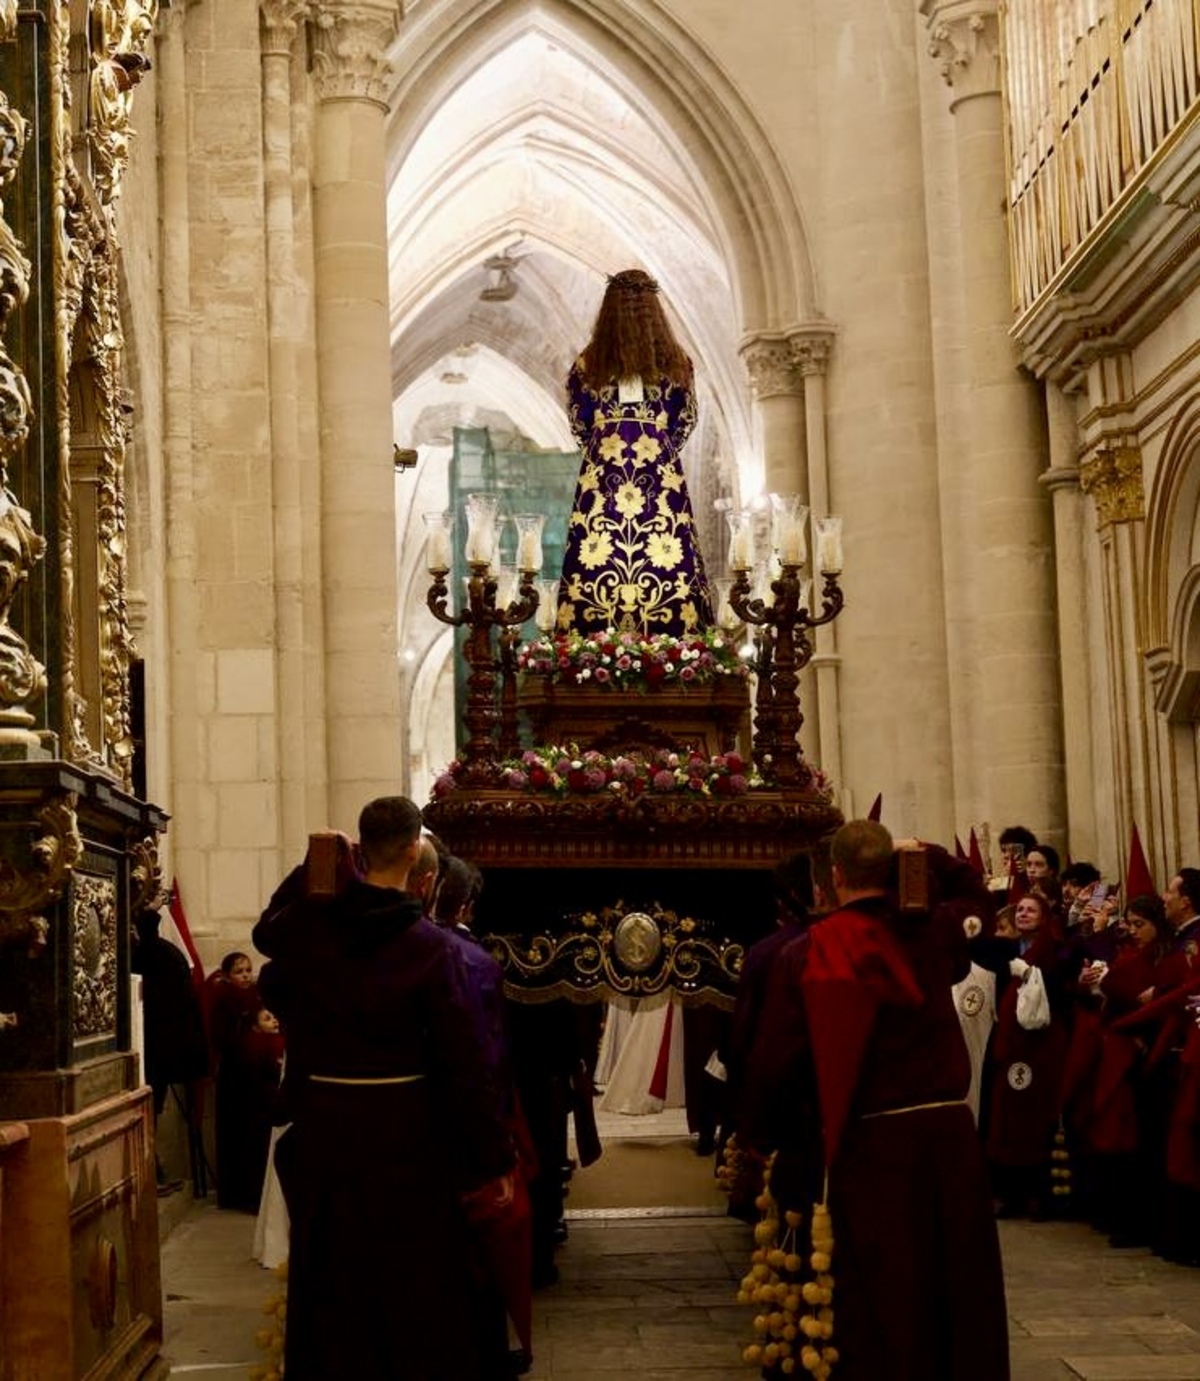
[
  {"x": 299, "y": 757},
  {"x": 778, "y": 388},
  {"x": 1008, "y": 514},
  {"x": 1078, "y": 666},
  {"x": 1111, "y": 475},
  {"x": 358, "y": 520},
  {"x": 810, "y": 349},
  {"x": 777, "y": 383}
]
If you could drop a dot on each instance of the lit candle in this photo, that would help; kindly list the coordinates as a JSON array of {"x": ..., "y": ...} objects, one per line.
[
  {"x": 547, "y": 610},
  {"x": 789, "y": 516},
  {"x": 506, "y": 586},
  {"x": 529, "y": 540},
  {"x": 481, "y": 528},
  {"x": 741, "y": 542},
  {"x": 829, "y": 545},
  {"x": 438, "y": 557},
  {"x": 792, "y": 547}
]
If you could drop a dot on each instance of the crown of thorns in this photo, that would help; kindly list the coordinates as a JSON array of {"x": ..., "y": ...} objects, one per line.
[{"x": 632, "y": 280}]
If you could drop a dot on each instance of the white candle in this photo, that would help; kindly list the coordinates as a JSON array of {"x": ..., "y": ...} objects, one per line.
[
  {"x": 829, "y": 545},
  {"x": 481, "y": 528},
  {"x": 437, "y": 556},
  {"x": 792, "y": 546},
  {"x": 741, "y": 548},
  {"x": 529, "y": 552},
  {"x": 506, "y": 587}
]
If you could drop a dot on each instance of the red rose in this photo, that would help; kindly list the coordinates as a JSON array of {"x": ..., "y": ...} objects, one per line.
[
  {"x": 733, "y": 761},
  {"x": 577, "y": 779},
  {"x": 655, "y": 672},
  {"x": 675, "y": 653},
  {"x": 538, "y": 777}
]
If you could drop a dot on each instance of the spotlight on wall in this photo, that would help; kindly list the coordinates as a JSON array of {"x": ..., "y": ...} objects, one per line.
[{"x": 403, "y": 458}]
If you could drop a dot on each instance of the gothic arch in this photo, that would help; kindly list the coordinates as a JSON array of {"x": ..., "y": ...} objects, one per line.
[
  {"x": 1173, "y": 568},
  {"x": 755, "y": 213}
]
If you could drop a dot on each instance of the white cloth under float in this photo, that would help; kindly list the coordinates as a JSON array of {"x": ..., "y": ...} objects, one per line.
[{"x": 631, "y": 1050}]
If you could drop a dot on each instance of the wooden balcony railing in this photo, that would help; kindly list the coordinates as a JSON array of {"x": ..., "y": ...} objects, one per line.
[{"x": 1093, "y": 88}]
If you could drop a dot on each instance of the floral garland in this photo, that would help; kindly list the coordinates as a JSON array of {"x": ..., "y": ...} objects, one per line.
[
  {"x": 562, "y": 771},
  {"x": 629, "y": 662}
]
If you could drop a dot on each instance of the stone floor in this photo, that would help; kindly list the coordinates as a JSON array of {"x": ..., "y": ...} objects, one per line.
[{"x": 652, "y": 1296}]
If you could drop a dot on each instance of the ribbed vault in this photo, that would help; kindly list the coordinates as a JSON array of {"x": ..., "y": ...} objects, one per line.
[{"x": 575, "y": 138}]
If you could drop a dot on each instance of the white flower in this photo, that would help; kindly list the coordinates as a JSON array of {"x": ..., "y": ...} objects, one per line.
[{"x": 576, "y": 764}]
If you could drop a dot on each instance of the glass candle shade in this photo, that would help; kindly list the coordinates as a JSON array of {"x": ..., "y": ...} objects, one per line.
[
  {"x": 788, "y": 519},
  {"x": 529, "y": 541},
  {"x": 547, "y": 610},
  {"x": 439, "y": 555},
  {"x": 506, "y": 586},
  {"x": 741, "y": 539},
  {"x": 829, "y": 544},
  {"x": 727, "y": 619},
  {"x": 481, "y": 528}
]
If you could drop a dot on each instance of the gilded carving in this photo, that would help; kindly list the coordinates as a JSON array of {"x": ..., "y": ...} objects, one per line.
[
  {"x": 621, "y": 952},
  {"x": 22, "y": 676},
  {"x": 350, "y": 49},
  {"x": 146, "y": 880},
  {"x": 52, "y": 857},
  {"x": 118, "y": 32},
  {"x": 91, "y": 349},
  {"x": 1113, "y": 477},
  {"x": 772, "y": 366},
  {"x": 25, "y": 890},
  {"x": 94, "y": 956}
]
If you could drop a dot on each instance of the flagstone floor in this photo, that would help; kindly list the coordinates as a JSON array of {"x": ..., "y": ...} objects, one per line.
[{"x": 652, "y": 1296}]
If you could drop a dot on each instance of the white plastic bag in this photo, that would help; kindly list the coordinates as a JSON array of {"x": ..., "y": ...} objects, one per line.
[{"x": 1033, "y": 1006}]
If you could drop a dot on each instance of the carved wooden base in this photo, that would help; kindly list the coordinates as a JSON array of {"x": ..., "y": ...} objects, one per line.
[
  {"x": 79, "y": 1272},
  {"x": 61, "y": 1092},
  {"x": 710, "y": 719},
  {"x": 504, "y": 829}
]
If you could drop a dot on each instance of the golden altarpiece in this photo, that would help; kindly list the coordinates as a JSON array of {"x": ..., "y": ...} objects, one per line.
[{"x": 79, "y": 1277}]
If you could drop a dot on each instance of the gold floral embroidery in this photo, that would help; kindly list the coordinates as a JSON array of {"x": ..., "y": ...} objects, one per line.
[
  {"x": 612, "y": 449},
  {"x": 664, "y": 551},
  {"x": 629, "y": 500},
  {"x": 595, "y": 549},
  {"x": 589, "y": 479},
  {"x": 646, "y": 449}
]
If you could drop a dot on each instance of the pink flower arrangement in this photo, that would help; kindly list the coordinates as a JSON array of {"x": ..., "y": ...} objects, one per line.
[
  {"x": 562, "y": 771},
  {"x": 627, "y": 661}
]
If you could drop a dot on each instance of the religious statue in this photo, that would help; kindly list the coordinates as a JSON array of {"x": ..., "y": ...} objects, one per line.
[{"x": 632, "y": 562}]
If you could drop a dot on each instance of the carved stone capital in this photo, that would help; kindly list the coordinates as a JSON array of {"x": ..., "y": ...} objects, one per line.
[
  {"x": 1113, "y": 477},
  {"x": 811, "y": 348},
  {"x": 280, "y": 23},
  {"x": 351, "y": 39},
  {"x": 772, "y": 366},
  {"x": 964, "y": 40}
]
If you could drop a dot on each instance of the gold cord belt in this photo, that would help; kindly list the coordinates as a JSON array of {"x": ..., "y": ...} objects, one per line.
[
  {"x": 337, "y": 1079},
  {"x": 916, "y": 1107}
]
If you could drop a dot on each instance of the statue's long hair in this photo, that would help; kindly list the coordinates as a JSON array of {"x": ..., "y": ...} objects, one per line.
[{"x": 632, "y": 336}]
